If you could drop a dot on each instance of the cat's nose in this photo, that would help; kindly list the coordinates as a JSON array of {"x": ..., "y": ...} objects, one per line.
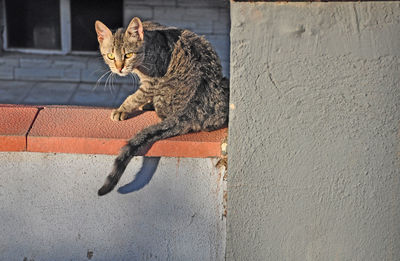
[{"x": 119, "y": 65}]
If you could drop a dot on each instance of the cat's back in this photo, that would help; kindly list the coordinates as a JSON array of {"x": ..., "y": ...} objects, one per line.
[
  {"x": 196, "y": 53},
  {"x": 153, "y": 26},
  {"x": 183, "y": 53},
  {"x": 188, "y": 38}
]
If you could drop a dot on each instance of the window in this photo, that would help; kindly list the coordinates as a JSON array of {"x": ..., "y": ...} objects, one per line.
[
  {"x": 33, "y": 24},
  {"x": 83, "y": 15},
  {"x": 57, "y": 26}
]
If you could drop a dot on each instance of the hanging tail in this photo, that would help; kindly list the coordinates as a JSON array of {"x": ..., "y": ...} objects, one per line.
[{"x": 169, "y": 127}]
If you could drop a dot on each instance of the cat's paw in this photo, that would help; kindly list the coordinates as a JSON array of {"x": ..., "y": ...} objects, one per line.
[{"x": 117, "y": 115}]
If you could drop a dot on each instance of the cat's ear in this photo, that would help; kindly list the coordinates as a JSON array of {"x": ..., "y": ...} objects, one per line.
[
  {"x": 102, "y": 31},
  {"x": 135, "y": 29}
]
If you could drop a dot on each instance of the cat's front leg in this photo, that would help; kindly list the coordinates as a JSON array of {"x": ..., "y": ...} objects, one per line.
[
  {"x": 117, "y": 115},
  {"x": 133, "y": 103}
]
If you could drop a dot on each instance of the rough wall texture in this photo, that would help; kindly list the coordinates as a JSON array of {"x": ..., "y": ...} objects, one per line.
[
  {"x": 314, "y": 131},
  {"x": 50, "y": 209}
]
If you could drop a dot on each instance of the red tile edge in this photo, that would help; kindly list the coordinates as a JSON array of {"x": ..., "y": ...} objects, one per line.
[
  {"x": 75, "y": 145},
  {"x": 163, "y": 148},
  {"x": 12, "y": 143},
  {"x": 193, "y": 146},
  {"x": 15, "y": 123},
  {"x": 185, "y": 149}
]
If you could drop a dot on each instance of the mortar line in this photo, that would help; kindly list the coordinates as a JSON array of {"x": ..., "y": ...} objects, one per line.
[{"x": 31, "y": 126}]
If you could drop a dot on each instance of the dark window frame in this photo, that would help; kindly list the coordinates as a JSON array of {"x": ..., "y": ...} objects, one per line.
[{"x": 65, "y": 31}]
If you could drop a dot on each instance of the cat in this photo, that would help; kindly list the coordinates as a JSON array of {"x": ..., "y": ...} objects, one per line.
[{"x": 180, "y": 76}]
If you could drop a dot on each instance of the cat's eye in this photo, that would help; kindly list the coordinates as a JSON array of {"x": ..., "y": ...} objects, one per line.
[
  {"x": 128, "y": 55},
  {"x": 110, "y": 56}
]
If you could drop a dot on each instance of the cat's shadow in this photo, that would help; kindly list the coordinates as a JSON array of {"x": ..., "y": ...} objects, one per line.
[{"x": 143, "y": 177}]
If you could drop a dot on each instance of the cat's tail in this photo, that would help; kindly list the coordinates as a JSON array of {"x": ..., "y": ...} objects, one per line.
[{"x": 169, "y": 127}]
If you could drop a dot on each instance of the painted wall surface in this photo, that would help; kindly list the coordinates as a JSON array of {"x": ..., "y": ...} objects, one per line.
[
  {"x": 314, "y": 131},
  {"x": 50, "y": 209}
]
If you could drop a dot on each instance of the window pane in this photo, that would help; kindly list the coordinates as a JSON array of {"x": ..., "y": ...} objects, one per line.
[
  {"x": 33, "y": 24},
  {"x": 83, "y": 15}
]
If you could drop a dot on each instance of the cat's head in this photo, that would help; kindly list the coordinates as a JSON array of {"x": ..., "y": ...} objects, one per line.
[{"x": 122, "y": 51}]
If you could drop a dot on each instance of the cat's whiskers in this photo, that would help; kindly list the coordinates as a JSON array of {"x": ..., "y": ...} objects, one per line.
[
  {"x": 108, "y": 80},
  {"x": 112, "y": 83},
  {"x": 101, "y": 77},
  {"x": 99, "y": 70}
]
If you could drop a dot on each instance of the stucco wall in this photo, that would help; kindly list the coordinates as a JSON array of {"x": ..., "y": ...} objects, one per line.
[
  {"x": 314, "y": 131},
  {"x": 50, "y": 209}
]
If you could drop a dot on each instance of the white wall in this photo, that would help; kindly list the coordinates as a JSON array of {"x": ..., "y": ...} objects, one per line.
[
  {"x": 50, "y": 209},
  {"x": 314, "y": 131}
]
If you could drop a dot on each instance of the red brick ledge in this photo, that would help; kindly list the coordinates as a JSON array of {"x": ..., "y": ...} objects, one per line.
[{"x": 88, "y": 130}]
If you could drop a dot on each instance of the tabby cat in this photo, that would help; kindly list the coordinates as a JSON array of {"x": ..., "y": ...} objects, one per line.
[{"x": 180, "y": 76}]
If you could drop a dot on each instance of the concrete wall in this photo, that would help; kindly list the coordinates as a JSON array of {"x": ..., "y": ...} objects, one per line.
[
  {"x": 314, "y": 131},
  {"x": 50, "y": 209}
]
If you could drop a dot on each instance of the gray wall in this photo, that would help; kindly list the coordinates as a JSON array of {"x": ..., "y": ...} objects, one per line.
[
  {"x": 59, "y": 68},
  {"x": 314, "y": 131},
  {"x": 50, "y": 209}
]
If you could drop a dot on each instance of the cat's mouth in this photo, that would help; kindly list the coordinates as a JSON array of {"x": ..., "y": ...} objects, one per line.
[
  {"x": 121, "y": 73},
  {"x": 125, "y": 71}
]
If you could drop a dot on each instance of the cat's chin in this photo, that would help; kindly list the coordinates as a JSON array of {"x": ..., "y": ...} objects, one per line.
[{"x": 122, "y": 74}]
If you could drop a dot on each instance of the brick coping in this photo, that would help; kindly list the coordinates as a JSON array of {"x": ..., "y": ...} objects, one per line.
[{"x": 89, "y": 130}]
